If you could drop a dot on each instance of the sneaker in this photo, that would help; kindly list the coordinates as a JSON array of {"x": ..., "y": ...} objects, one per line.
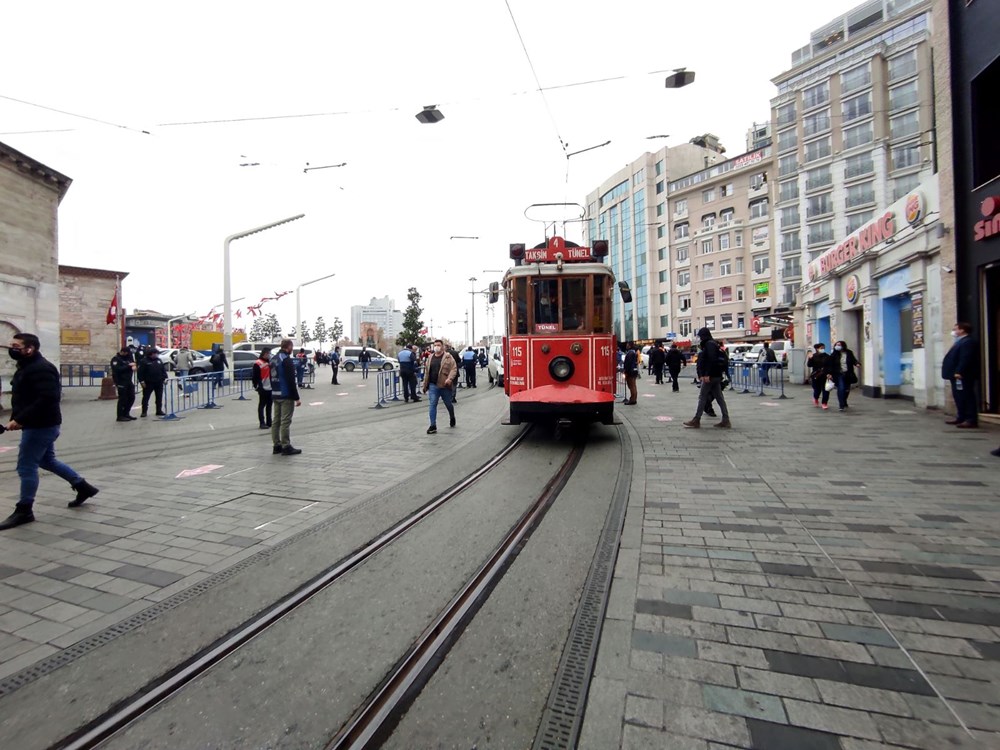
[
  {"x": 84, "y": 491},
  {"x": 826, "y": 406},
  {"x": 711, "y": 412},
  {"x": 815, "y": 402},
  {"x": 277, "y": 449},
  {"x": 124, "y": 419},
  {"x": 288, "y": 450},
  {"x": 161, "y": 414},
  {"x": 841, "y": 409},
  {"x": 132, "y": 419},
  {"x": 263, "y": 427},
  {"x": 432, "y": 430}
]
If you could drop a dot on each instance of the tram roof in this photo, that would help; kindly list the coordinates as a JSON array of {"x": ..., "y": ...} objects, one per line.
[{"x": 550, "y": 269}]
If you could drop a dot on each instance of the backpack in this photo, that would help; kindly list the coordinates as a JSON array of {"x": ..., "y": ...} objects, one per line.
[{"x": 215, "y": 359}]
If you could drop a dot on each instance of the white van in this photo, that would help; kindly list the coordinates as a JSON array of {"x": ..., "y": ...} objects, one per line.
[
  {"x": 349, "y": 359},
  {"x": 494, "y": 368}
]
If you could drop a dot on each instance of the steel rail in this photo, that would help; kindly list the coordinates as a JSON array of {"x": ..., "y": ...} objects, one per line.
[
  {"x": 146, "y": 698},
  {"x": 374, "y": 721}
]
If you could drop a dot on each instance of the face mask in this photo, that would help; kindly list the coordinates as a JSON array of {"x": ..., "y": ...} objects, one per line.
[
  {"x": 437, "y": 349},
  {"x": 821, "y": 351},
  {"x": 955, "y": 334},
  {"x": 16, "y": 354},
  {"x": 837, "y": 348}
]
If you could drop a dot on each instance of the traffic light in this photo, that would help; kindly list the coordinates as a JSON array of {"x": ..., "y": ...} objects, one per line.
[
  {"x": 517, "y": 253},
  {"x": 494, "y": 292}
]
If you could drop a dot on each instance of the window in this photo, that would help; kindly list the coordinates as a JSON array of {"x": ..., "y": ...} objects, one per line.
[
  {"x": 903, "y": 66},
  {"x": 741, "y": 320},
  {"x": 761, "y": 264},
  {"x": 786, "y": 114},
  {"x": 789, "y": 216},
  {"x": 820, "y": 233},
  {"x": 816, "y": 95},
  {"x": 787, "y": 140},
  {"x": 664, "y": 276},
  {"x": 818, "y": 178},
  {"x": 759, "y": 209},
  {"x": 788, "y": 190},
  {"x": 726, "y": 190},
  {"x": 818, "y": 205},
  {"x": 707, "y": 271},
  {"x": 788, "y": 294},
  {"x": 661, "y": 253},
  {"x": 816, "y": 123},
  {"x": 707, "y": 196},
  {"x": 790, "y": 243},
  {"x": 709, "y": 296},
  {"x": 860, "y": 194},
  {"x": 904, "y": 157},
  {"x": 758, "y": 181},
  {"x": 855, "y": 78},
  {"x": 859, "y": 164},
  {"x": 639, "y": 177},
  {"x": 685, "y": 300},
  {"x": 659, "y": 209},
  {"x": 724, "y": 241},
  {"x": 661, "y": 232},
  {"x": 739, "y": 294},
  {"x": 658, "y": 169},
  {"x": 903, "y": 96},
  {"x": 708, "y": 220},
  {"x": 684, "y": 328},
  {"x": 680, "y": 207},
  {"x": 859, "y": 135},
  {"x": 726, "y": 319},
  {"x": 856, "y": 221},
  {"x": 665, "y": 321},
  {"x": 739, "y": 238},
  {"x": 681, "y": 230},
  {"x": 725, "y": 268},
  {"x": 857, "y": 107},
  {"x": 725, "y": 294},
  {"x": 683, "y": 278},
  {"x": 904, "y": 126},
  {"x": 904, "y": 186},
  {"x": 817, "y": 149},
  {"x": 726, "y": 215},
  {"x": 682, "y": 253},
  {"x": 706, "y": 246},
  {"x": 710, "y": 322},
  {"x": 792, "y": 267},
  {"x": 664, "y": 298},
  {"x": 787, "y": 165},
  {"x": 738, "y": 265},
  {"x": 659, "y": 187}
]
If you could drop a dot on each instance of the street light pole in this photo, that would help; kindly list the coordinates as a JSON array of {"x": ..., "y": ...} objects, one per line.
[
  {"x": 227, "y": 335},
  {"x": 472, "y": 281},
  {"x": 298, "y": 309}
]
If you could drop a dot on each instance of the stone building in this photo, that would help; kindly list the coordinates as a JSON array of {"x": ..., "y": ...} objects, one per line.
[
  {"x": 30, "y": 193},
  {"x": 85, "y": 337}
]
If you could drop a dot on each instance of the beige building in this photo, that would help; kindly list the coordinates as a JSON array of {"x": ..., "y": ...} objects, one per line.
[
  {"x": 30, "y": 193},
  {"x": 717, "y": 271},
  {"x": 85, "y": 294}
]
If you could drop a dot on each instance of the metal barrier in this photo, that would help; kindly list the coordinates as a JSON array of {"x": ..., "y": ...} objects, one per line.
[
  {"x": 389, "y": 386},
  {"x": 201, "y": 391},
  {"x": 757, "y": 377},
  {"x": 76, "y": 376}
]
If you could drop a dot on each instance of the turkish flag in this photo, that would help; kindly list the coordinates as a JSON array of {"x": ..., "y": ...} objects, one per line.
[{"x": 112, "y": 316}]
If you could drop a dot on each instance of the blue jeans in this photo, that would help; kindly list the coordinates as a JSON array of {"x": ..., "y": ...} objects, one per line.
[
  {"x": 38, "y": 451},
  {"x": 843, "y": 389},
  {"x": 445, "y": 395},
  {"x": 364, "y": 370}
]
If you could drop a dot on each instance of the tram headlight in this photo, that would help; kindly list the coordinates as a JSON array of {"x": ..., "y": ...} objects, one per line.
[{"x": 561, "y": 368}]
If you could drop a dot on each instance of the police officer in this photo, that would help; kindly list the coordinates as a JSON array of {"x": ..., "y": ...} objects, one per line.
[
  {"x": 152, "y": 375},
  {"x": 335, "y": 364},
  {"x": 122, "y": 372},
  {"x": 408, "y": 373}
]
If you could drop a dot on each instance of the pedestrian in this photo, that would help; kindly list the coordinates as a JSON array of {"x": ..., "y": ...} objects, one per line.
[
  {"x": 674, "y": 360},
  {"x": 840, "y": 369},
  {"x": 469, "y": 363},
  {"x": 817, "y": 362},
  {"x": 152, "y": 376},
  {"x": 36, "y": 389},
  {"x": 483, "y": 361},
  {"x": 335, "y": 364},
  {"x": 767, "y": 362},
  {"x": 439, "y": 376},
  {"x": 184, "y": 361},
  {"x": 123, "y": 373},
  {"x": 961, "y": 368},
  {"x": 364, "y": 359},
  {"x": 657, "y": 359},
  {"x": 408, "y": 373},
  {"x": 285, "y": 397},
  {"x": 261, "y": 377},
  {"x": 630, "y": 365},
  {"x": 219, "y": 365},
  {"x": 300, "y": 367},
  {"x": 711, "y": 369},
  {"x": 453, "y": 353}
]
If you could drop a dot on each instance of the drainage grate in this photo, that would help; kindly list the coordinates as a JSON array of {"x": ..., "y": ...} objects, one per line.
[{"x": 563, "y": 717}]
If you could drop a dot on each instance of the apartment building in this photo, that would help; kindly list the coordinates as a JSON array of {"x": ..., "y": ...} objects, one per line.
[
  {"x": 629, "y": 210},
  {"x": 381, "y": 313},
  {"x": 717, "y": 270},
  {"x": 856, "y": 183}
]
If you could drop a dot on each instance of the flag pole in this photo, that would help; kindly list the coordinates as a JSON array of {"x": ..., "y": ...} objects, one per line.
[{"x": 119, "y": 313}]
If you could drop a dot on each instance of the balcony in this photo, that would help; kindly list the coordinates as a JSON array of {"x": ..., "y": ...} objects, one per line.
[
  {"x": 719, "y": 226},
  {"x": 686, "y": 263},
  {"x": 760, "y": 303},
  {"x": 761, "y": 191},
  {"x": 683, "y": 312},
  {"x": 680, "y": 214}
]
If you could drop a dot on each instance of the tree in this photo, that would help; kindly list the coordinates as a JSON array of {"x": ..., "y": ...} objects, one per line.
[
  {"x": 257, "y": 332},
  {"x": 336, "y": 330},
  {"x": 320, "y": 333},
  {"x": 412, "y": 324},
  {"x": 305, "y": 335},
  {"x": 270, "y": 327}
]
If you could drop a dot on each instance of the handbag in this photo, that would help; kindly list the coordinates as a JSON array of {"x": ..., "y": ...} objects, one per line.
[{"x": 830, "y": 385}]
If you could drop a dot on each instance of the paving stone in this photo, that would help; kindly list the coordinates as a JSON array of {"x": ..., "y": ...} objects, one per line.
[
  {"x": 645, "y": 712},
  {"x": 698, "y": 598},
  {"x": 61, "y": 612},
  {"x": 922, "y": 734},
  {"x": 42, "y": 631},
  {"x": 143, "y": 574},
  {"x": 862, "y": 698},
  {"x": 775, "y": 683},
  {"x": 662, "y": 643},
  {"x": 768, "y": 735},
  {"x": 857, "y": 634},
  {"x": 868, "y": 675},
  {"x": 644, "y": 738},
  {"x": 730, "y": 654},
  {"x": 831, "y": 719},
  {"x": 689, "y": 721},
  {"x": 744, "y": 703},
  {"x": 787, "y": 570}
]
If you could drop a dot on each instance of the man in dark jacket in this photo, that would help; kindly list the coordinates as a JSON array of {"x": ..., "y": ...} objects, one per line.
[
  {"x": 961, "y": 368},
  {"x": 768, "y": 361},
  {"x": 675, "y": 361},
  {"x": 123, "y": 372},
  {"x": 335, "y": 364},
  {"x": 657, "y": 359},
  {"x": 710, "y": 373},
  {"x": 37, "y": 388},
  {"x": 285, "y": 397},
  {"x": 220, "y": 363},
  {"x": 152, "y": 376},
  {"x": 408, "y": 373},
  {"x": 630, "y": 366}
]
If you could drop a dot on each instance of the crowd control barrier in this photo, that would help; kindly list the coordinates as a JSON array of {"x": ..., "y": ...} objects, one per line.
[
  {"x": 75, "y": 376},
  {"x": 205, "y": 390},
  {"x": 389, "y": 387},
  {"x": 758, "y": 378}
]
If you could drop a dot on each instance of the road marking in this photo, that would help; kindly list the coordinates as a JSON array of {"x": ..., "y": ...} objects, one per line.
[
  {"x": 315, "y": 403},
  {"x": 237, "y": 472},
  {"x": 212, "y": 426},
  {"x": 664, "y": 419},
  {"x": 6, "y": 448},
  {"x": 258, "y": 528},
  {"x": 649, "y": 395},
  {"x": 207, "y": 469},
  {"x": 768, "y": 403},
  {"x": 343, "y": 394}
]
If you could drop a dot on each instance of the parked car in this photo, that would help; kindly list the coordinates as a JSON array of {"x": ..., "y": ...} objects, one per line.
[
  {"x": 349, "y": 359},
  {"x": 495, "y": 366},
  {"x": 737, "y": 352},
  {"x": 199, "y": 362},
  {"x": 780, "y": 348}
]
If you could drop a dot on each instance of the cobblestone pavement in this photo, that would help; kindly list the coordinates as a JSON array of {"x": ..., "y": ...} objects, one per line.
[{"x": 809, "y": 580}]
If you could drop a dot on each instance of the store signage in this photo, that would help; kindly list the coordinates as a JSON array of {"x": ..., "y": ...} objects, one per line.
[
  {"x": 762, "y": 288},
  {"x": 853, "y": 289},
  {"x": 143, "y": 322},
  {"x": 917, "y": 303},
  {"x": 914, "y": 209},
  {"x": 990, "y": 225},
  {"x": 746, "y": 159},
  {"x": 77, "y": 337},
  {"x": 870, "y": 235}
]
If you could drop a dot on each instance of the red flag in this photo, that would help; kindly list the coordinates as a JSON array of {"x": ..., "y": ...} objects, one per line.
[{"x": 112, "y": 316}]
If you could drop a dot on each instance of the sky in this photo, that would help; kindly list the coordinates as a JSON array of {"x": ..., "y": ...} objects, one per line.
[{"x": 184, "y": 123}]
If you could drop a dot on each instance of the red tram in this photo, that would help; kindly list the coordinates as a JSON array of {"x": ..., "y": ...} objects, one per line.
[{"x": 560, "y": 352}]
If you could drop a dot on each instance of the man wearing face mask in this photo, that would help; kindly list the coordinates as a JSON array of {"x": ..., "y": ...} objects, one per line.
[
  {"x": 35, "y": 412},
  {"x": 439, "y": 374},
  {"x": 152, "y": 376},
  {"x": 961, "y": 368},
  {"x": 122, "y": 372}
]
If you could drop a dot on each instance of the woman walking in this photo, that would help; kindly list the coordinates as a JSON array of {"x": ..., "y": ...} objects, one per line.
[
  {"x": 840, "y": 368},
  {"x": 817, "y": 362}
]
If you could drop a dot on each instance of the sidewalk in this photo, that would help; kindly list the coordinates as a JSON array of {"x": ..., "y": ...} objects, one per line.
[{"x": 807, "y": 580}]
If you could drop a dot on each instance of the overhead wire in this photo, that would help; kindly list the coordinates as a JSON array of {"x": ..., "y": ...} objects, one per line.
[{"x": 74, "y": 114}]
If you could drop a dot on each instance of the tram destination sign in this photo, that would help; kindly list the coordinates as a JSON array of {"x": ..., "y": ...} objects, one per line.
[{"x": 555, "y": 250}]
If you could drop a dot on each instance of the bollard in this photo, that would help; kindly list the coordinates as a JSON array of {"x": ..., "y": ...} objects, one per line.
[
  {"x": 108, "y": 389},
  {"x": 782, "y": 383}
]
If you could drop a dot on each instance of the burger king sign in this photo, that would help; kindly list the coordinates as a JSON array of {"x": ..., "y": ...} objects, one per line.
[{"x": 852, "y": 289}]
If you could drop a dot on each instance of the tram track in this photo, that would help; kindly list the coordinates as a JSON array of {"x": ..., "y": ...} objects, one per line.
[{"x": 128, "y": 711}]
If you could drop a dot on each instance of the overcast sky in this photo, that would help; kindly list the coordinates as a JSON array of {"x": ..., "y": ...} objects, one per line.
[{"x": 158, "y": 204}]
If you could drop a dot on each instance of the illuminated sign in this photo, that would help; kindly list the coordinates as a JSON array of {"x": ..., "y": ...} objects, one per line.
[
  {"x": 852, "y": 289},
  {"x": 762, "y": 289},
  {"x": 860, "y": 242},
  {"x": 914, "y": 210},
  {"x": 990, "y": 225}
]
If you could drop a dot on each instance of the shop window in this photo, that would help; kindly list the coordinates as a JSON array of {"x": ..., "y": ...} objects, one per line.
[{"x": 985, "y": 144}]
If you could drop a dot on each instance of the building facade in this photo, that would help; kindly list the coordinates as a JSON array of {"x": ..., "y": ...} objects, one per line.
[
  {"x": 717, "y": 270},
  {"x": 629, "y": 210},
  {"x": 973, "y": 29},
  {"x": 854, "y": 124},
  {"x": 30, "y": 193},
  {"x": 85, "y": 294},
  {"x": 380, "y": 313}
]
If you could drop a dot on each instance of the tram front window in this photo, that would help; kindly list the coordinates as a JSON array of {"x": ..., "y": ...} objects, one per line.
[
  {"x": 520, "y": 304},
  {"x": 574, "y": 308},
  {"x": 601, "y": 306},
  {"x": 546, "y": 305}
]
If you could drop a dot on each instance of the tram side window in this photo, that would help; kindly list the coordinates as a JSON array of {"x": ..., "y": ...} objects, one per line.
[
  {"x": 601, "y": 307},
  {"x": 546, "y": 304},
  {"x": 574, "y": 307},
  {"x": 521, "y": 305}
]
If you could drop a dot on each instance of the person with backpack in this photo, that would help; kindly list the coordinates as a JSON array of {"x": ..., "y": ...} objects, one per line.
[
  {"x": 711, "y": 368},
  {"x": 285, "y": 397}
]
